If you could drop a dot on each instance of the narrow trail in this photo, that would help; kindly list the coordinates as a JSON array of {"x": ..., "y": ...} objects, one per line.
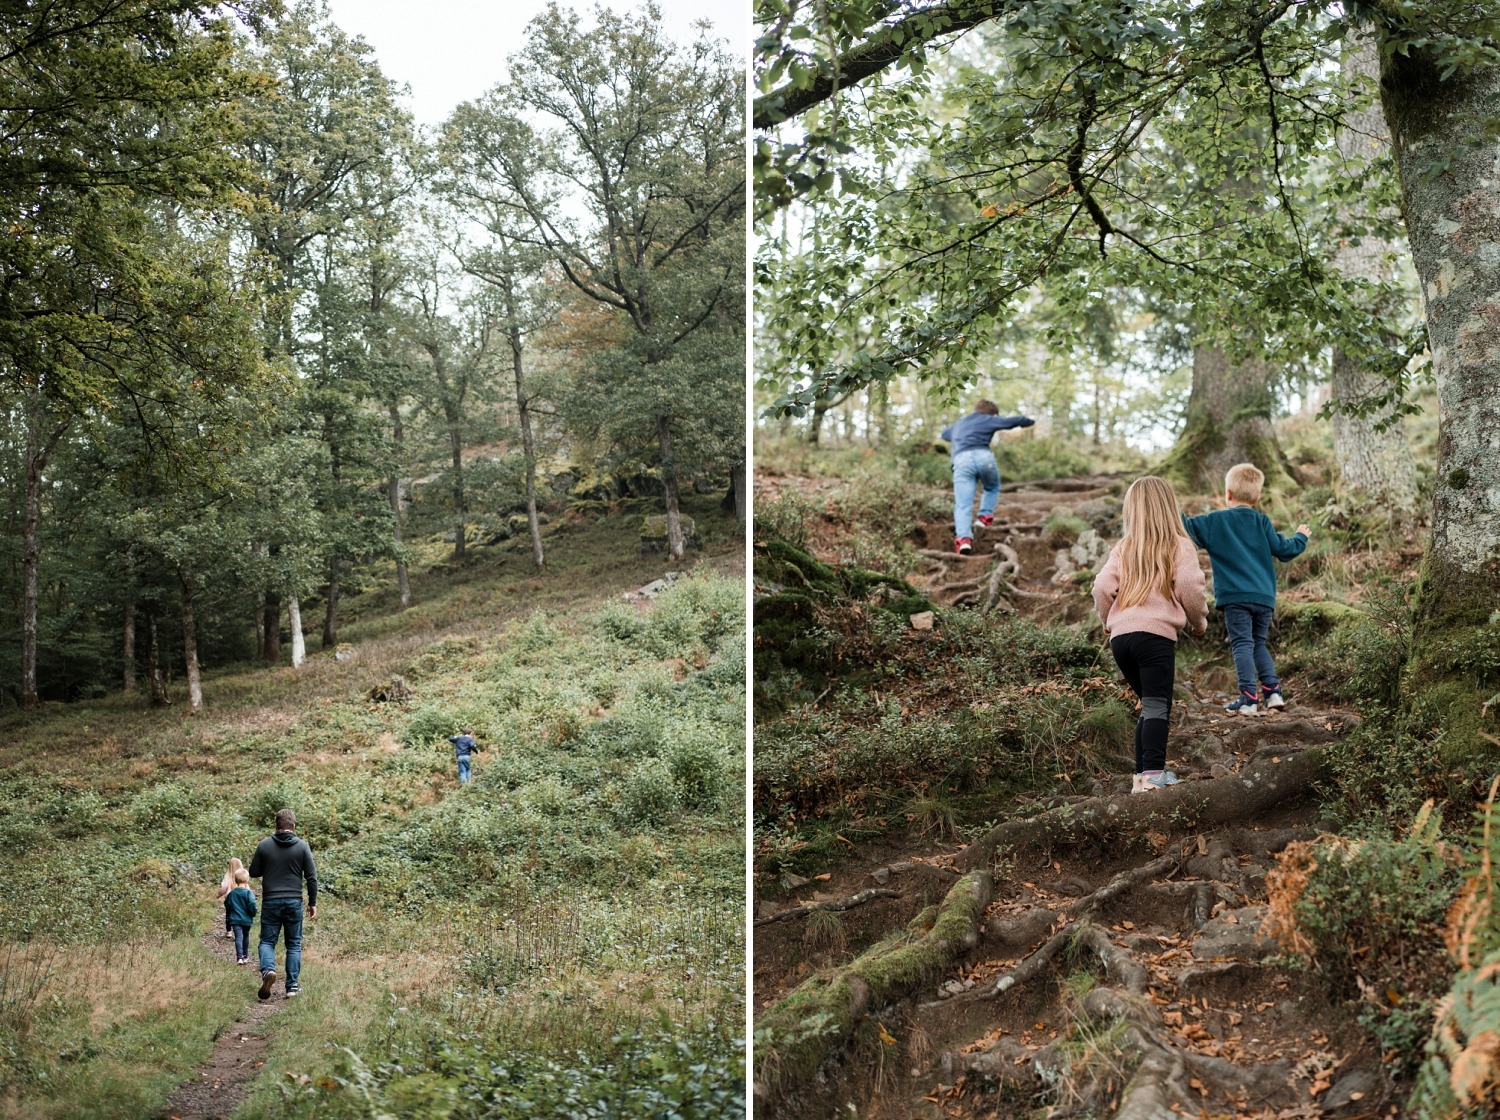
[
  {"x": 1113, "y": 960},
  {"x": 219, "y": 1085}
]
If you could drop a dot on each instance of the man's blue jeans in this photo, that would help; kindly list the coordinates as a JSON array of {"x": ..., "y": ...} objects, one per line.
[
  {"x": 972, "y": 469},
  {"x": 276, "y": 915},
  {"x": 1248, "y": 624},
  {"x": 463, "y": 771}
]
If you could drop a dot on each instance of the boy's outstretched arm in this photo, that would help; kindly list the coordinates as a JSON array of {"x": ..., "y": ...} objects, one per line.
[
  {"x": 1287, "y": 548},
  {"x": 1194, "y": 530}
]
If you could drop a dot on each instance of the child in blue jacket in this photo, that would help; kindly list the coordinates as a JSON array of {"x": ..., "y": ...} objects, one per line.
[
  {"x": 239, "y": 913},
  {"x": 1242, "y": 544}
]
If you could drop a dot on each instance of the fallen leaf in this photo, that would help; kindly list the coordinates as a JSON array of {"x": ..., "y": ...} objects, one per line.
[{"x": 823, "y": 878}]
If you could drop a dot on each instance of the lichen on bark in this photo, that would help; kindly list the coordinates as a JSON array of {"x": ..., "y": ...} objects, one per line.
[{"x": 1448, "y": 155}]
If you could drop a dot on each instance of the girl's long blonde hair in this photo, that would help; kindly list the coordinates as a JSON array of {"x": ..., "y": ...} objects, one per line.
[{"x": 1148, "y": 549}]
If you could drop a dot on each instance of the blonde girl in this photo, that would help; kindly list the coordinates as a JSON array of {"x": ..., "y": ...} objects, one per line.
[
  {"x": 1150, "y": 588},
  {"x": 226, "y": 884}
]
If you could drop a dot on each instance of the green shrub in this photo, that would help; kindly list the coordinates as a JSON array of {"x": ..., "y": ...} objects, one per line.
[
  {"x": 161, "y": 804},
  {"x": 1344, "y": 904},
  {"x": 698, "y": 772},
  {"x": 787, "y": 517},
  {"x": 649, "y": 796},
  {"x": 284, "y": 793}
]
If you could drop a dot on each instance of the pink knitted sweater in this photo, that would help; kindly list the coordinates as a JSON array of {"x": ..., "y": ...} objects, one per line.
[{"x": 1156, "y": 615}]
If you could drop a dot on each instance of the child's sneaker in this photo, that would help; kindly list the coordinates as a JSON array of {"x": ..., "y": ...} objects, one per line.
[
  {"x": 293, "y": 992},
  {"x": 1245, "y": 705},
  {"x": 986, "y": 519},
  {"x": 241, "y": 960},
  {"x": 267, "y": 982},
  {"x": 963, "y": 545},
  {"x": 1272, "y": 698},
  {"x": 1151, "y": 780}
]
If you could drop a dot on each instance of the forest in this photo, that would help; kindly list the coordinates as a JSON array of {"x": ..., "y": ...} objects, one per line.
[
  {"x": 326, "y": 438},
  {"x": 1177, "y": 237}
]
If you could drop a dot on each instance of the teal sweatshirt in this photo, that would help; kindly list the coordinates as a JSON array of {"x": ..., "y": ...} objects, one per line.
[
  {"x": 1241, "y": 543},
  {"x": 239, "y": 907}
]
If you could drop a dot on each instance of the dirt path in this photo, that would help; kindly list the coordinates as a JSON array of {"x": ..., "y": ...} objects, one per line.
[
  {"x": 219, "y": 1085},
  {"x": 1114, "y": 970}
]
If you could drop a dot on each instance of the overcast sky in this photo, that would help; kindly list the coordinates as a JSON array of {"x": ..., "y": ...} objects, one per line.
[{"x": 450, "y": 51}]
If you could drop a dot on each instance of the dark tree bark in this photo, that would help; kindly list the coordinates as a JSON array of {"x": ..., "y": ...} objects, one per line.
[
  {"x": 271, "y": 645},
  {"x": 331, "y": 614},
  {"x": 676, "y": 546},
  {"x": 734, "y": 500},
  {"x": 159, "y": 697},
  {"x": 128, "y": 656},
  {"x": 1228, "y": 422}
]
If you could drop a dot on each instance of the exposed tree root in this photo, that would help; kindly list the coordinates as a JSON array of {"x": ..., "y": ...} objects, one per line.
[
  {"x": 837, "y": 904},
  {"x": 1190, "y": 804},
  {"x": 801, "y": 1030},
  {"x": 1123, "y": 883}
]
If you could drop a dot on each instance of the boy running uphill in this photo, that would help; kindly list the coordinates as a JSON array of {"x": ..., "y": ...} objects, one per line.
[
  {"x": 1243, "y": 546},
  {"x": 974, "y": 466},
  {"x": 1150, "y": 588}
]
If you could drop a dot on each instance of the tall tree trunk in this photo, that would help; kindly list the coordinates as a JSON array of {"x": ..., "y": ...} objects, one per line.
[
  {"x": 1447, "y": 152},
  {"x": 331, "y": 615},
  {"x": 1228, "y": 422},
  {"x": 735, "y": 498},
  {"x": 159, "y": 697},
  {"x": 523, "y": 412},
  {"x": 1378, "y": 464},
  {"x": 676, "y": 546},
  {"x": 456, "y": 450},
  {"x": 393, "y": 495},
  {"x": 190, "y": 642},
  {"x": 257, "y": 549},
  {"x": 294, "y": 617},
  {"x": 272, "y": 650},
  {"x": 30, "y": 556},
  {"x": 128, "y": 658}
]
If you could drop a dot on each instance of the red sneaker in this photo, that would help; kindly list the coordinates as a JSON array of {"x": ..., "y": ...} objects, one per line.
[
  {"x": 963, "y": 546},
  {"x": 986, "y": 520}
]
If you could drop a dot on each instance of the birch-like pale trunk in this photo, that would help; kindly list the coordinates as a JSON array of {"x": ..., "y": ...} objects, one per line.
[
  {"x": 1378, "y": 464},
  {"x": 528, "y": 445},
  {"x": 294, "y": 618},
  {"x": 393, "y": 495},
  {"x": 128, "y": 656},
  {"x": 675, "y": 543},
  {"x": 190, "y": 643},
  {"x": 1449, "y": 161}
]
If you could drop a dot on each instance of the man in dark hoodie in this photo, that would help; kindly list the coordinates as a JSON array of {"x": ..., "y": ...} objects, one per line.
[{"x": 282, "y": 861}]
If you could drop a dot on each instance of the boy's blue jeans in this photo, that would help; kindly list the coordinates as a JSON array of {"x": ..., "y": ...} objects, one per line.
[
  {"x": 1248, "y": 624},
  {"x": 241, "y": 941},
  {"x": 277, "y": 914},
  {"x": 463, "y": 771},
  {"x": 972, "y": 469}
]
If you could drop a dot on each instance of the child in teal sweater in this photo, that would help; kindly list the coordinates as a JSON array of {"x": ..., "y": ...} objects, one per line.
[
  {"x": 239, "y": 912},
  {"x": 1243, "y": 546}
]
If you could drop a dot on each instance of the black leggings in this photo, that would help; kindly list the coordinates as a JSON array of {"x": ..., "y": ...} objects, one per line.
[{"x": 1149, "y": 664}]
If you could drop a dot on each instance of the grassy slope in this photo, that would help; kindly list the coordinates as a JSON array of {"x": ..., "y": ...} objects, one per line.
[{"x": 121, "y": 818}]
